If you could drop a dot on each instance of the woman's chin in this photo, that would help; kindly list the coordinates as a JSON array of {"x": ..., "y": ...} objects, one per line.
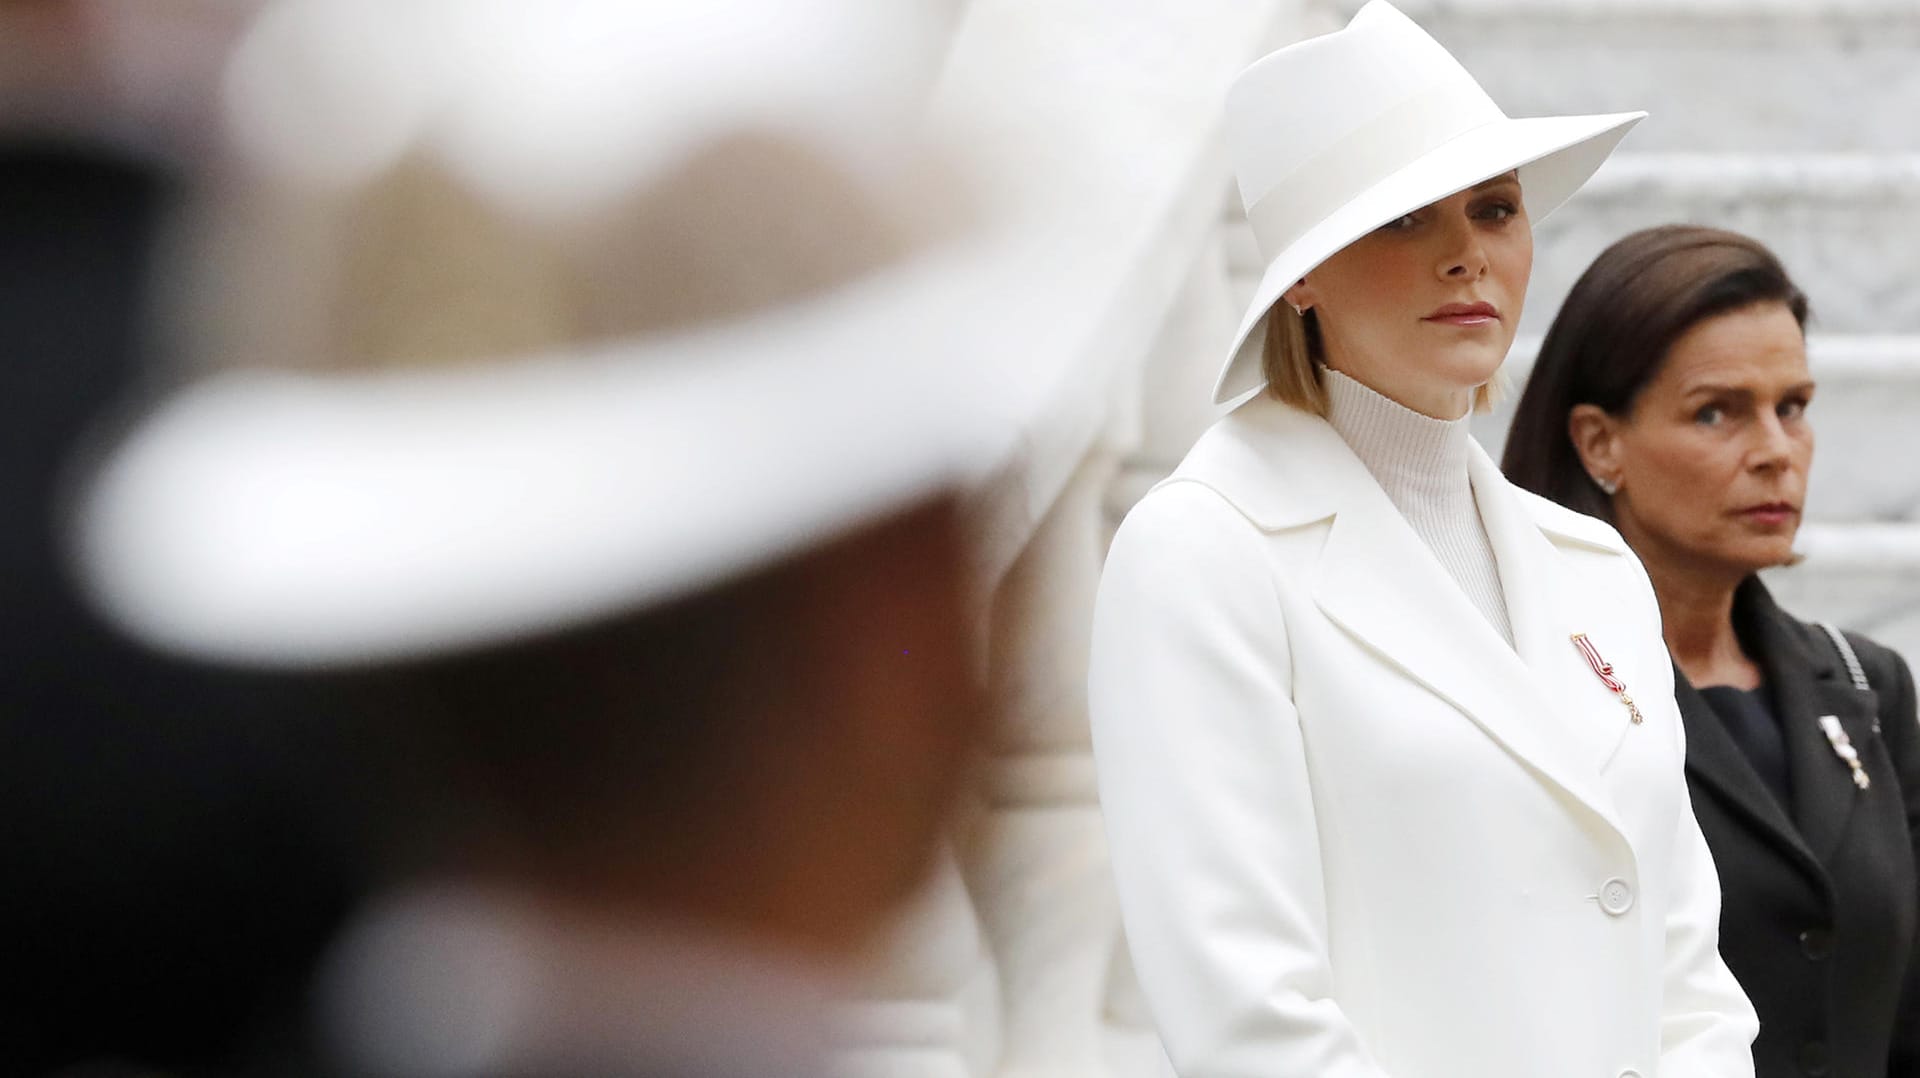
[
  {"x": 1474, "y": 363},
  {"x": 1758, "y": 554}
]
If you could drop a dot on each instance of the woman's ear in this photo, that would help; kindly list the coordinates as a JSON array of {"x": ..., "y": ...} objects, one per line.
[
  {"x": 1596, "y": 437},
  {"x": 1300, "y": 297}
]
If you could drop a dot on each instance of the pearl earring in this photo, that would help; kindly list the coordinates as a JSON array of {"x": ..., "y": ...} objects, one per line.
[
  {"x": 1609, "y": 487},
  {"x": 1297, "y": 309}
]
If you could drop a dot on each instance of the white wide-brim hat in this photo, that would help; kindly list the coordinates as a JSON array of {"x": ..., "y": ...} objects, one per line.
[{"x": 1334, "y": 136}]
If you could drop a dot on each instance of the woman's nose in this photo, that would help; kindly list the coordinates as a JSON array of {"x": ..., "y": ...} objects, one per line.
[
  {"x": 1775, "y": 448},
  {"x": 1463, "y": 258}
]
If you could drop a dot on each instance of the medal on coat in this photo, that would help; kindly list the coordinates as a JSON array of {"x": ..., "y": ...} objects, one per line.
[
  {"x": 1604, "y": 671},
  {"x": 1843, "y": 748}
]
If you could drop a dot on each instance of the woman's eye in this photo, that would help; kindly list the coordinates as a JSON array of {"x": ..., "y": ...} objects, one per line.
[
  {"x": 1710, "y": 416},
  {"x": 1499, "y": 211},
  {"x": 1399, "y": 224},
  {"x": 1793, "y": 409}
]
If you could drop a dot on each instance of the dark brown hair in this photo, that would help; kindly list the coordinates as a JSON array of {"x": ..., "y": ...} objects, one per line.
[{"x": 1612, "y": 335}]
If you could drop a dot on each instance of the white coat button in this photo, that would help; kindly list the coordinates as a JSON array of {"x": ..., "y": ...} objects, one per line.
[{"x": 1616, "y": 897}]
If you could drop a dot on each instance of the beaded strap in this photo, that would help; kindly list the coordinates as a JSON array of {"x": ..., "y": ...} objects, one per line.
[{"x": 1854, "y": 669}]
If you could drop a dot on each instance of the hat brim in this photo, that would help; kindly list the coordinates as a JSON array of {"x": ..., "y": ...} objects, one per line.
[
  {"x": 287, "y": 520},
  {"x": 1555, "y": 156}
]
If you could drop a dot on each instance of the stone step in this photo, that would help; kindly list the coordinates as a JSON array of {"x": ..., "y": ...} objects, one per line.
[
  {"x": 1843, "y": 224},
  {"x": 1868, "y": 386},
  {"x": 1714, "y": 74}
]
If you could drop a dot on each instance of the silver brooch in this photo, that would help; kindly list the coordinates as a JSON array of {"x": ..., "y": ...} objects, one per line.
[{"x": 1843, "y": 748}]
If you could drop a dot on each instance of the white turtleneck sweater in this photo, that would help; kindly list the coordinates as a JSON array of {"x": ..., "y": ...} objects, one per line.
[{"x": 1421, "y": 463}]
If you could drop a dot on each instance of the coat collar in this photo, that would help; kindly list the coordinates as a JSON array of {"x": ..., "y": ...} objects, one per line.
[
  {"x": 1807, "y": 682},
  {"x": 1283, "y": 468}
]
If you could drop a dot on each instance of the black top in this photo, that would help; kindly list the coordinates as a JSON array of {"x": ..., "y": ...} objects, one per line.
[{"x": 1749, "y": 717}]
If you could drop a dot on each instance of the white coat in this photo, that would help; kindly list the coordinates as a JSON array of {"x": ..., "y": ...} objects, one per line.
[{"x": 1355, "y": 833}]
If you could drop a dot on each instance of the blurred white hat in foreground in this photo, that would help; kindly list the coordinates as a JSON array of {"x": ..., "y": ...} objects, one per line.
[{"x": 318, "y": 518}]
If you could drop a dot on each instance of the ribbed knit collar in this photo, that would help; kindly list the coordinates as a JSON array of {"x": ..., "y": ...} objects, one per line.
[{"x": 1415, "y": 457}]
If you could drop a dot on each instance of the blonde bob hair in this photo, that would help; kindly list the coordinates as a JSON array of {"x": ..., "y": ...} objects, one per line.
[{"x": 1291, "y": 357}]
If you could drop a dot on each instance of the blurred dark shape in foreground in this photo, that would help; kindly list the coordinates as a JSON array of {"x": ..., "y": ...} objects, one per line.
[{"x": 171, "y": 863}]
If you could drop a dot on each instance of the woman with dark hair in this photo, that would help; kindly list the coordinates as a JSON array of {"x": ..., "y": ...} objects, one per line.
[{"x": 1670, "y": 399}]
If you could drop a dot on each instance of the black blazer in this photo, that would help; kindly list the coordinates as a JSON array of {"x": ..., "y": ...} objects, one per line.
[{"x": 1820, "y": 904}]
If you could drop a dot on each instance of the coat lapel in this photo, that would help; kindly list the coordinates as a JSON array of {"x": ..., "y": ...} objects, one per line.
[
  {"x": 1380, "y": 583},
  {"x": 1807, "y": 683},
  {"x": 1543, "y": 604},
  {"x": 1715, "y": 759}
]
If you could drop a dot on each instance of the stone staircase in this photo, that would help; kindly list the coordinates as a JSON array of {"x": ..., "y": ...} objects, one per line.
[{"x": 1791, "y": 121}]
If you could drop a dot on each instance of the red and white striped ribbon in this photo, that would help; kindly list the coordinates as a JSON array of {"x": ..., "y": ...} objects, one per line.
[
  {"x": 1600, "y": 666},
  {"x": 1604, "y": 671}
]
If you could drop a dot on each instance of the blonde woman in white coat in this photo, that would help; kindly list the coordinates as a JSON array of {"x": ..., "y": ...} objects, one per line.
[{"x": 1387, "y": 748}]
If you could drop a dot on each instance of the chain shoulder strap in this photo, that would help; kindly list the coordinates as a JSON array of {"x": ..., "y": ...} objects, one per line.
[{"x": 1854, "y": 669}]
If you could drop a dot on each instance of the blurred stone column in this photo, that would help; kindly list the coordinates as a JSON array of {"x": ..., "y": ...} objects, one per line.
[
  {"x": 1046, "y": 897},
  {"x": 1176, "y": 386},
  {"x": 1014, "y": 965},
  {"x": 1104, "y": 165}
]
